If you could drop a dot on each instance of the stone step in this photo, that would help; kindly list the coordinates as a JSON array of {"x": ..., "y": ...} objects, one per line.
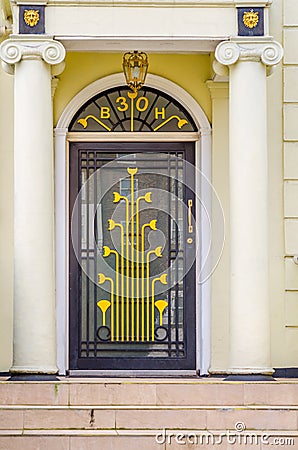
[
  {"x": 142, "y": 392},
  {"x": 104, "y": 414},
  {"x": 147, "y": 440},
  {"x": 93, "y": 419}
]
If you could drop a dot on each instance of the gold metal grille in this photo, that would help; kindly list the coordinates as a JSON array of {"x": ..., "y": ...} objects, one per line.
[{"x": 132, "y": 307}]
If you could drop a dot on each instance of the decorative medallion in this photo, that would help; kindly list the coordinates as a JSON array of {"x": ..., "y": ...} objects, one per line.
[
  {"x": 31, "y": 17},
  {"x": 250, "y": 21},
  {"x": 250, "y": 18}
]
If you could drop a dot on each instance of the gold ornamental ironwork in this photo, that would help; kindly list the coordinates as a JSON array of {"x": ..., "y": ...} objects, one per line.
[
  {"x": 132, "y": 301},
  {"x": 134, "y": 102}
]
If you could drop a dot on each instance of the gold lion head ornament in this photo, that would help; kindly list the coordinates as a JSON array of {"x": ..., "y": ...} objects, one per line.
[
  {"x": 251, "y": 18},
  {"x": 31, "y": 17}
]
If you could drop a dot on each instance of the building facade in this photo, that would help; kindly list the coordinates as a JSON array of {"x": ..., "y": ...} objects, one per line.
[{"x": 206, "y": 149}]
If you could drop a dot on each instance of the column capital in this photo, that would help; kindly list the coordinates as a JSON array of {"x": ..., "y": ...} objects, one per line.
[
  {"x": 266, "y": 51},
  {"x": 16, "y": 48}
]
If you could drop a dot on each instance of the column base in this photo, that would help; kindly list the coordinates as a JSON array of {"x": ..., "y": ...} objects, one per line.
[
  {"x": 32, "y": 377},
  {"x": 250, "y": 374},
  {"x": 21, "y": 373},
  {"x": 249, "y": 377}
]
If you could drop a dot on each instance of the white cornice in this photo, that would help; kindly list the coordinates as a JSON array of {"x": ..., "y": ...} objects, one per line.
[
  {"x": 162, "y": 3},
  {"x": 145, "y": 3},
  {"x": 152, "y": 45},
  {"x": 32, "y": 3},
  {"x": 250, "y": 3}
]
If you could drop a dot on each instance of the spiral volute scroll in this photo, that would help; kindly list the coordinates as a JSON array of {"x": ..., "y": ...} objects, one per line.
[
  {"x": 10, "y": 52},
  {"x": 227, "y": 53},
  {"x": 272, "y": 54},
  {"x": 53, "y": 52}
]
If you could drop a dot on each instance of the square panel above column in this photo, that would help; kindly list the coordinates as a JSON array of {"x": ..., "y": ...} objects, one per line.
[
  {"x": 31, "y": 19},
  {"x": 250, "y": 21}
]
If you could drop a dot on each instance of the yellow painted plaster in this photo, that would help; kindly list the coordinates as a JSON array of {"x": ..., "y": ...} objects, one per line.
[{"x": 188, "y": 71}]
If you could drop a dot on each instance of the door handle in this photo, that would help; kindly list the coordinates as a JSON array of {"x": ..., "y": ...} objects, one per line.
[{"x": 190, "y": 228}]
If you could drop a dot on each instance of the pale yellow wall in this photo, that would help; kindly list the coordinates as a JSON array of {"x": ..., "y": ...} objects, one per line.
[
  {"x": 279, "y": 357},
  {"x": 6, "y": 219},
  {"x": 188, "y": 71},
  {"x": 220, "y": 281}
]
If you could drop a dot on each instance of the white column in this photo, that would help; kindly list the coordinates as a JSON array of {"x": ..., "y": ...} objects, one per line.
[
  {"x": 34, "y": 348},
  {"x": 249, "y": 301}
]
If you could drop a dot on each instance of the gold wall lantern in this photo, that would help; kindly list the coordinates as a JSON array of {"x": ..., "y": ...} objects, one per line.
[{"x": 135, "y": 65}]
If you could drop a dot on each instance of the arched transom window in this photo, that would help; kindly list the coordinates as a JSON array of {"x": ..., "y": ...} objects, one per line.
[{"x": 121, "y": 110}]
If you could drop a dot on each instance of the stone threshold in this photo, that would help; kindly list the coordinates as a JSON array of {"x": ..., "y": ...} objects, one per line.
[
  {"x": 214, "y": 407},
  {"x": 151, "y": 380}
]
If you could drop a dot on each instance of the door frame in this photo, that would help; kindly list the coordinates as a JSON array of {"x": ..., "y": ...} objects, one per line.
[{"x": 202, "y": 141}]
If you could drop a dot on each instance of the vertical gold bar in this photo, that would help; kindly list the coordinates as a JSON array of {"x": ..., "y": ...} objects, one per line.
[
  {"x": 152, "y": 309},
  {"x": 132, "y": 256},
  {"x": 143, "y": 281},
  {"x": 131, "y": 116},
  {"x": 148, "y": 293},
  {"x": 138, "y": 269},
  {"x": 132, "y": 171},
  {"x": 112, "y": 307},
  {"x": 132, "y": 96},
  {"x": 127, "y": 270},
  {"x": 143, "y": 197},
  {"x": 148, "y": 296},
  {"x": 122, "y": 282},
  {"x": 117, "y": 292}
]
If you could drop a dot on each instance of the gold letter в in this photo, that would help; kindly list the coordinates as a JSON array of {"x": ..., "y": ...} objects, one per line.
[{"x": 105, "y": 112}]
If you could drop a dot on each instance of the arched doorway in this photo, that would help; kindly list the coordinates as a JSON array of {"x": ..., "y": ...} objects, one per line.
[{"x": 123, "y": 319}]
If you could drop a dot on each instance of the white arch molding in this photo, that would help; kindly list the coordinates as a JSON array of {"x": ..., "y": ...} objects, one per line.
[{"x": 203, "y": 159}]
